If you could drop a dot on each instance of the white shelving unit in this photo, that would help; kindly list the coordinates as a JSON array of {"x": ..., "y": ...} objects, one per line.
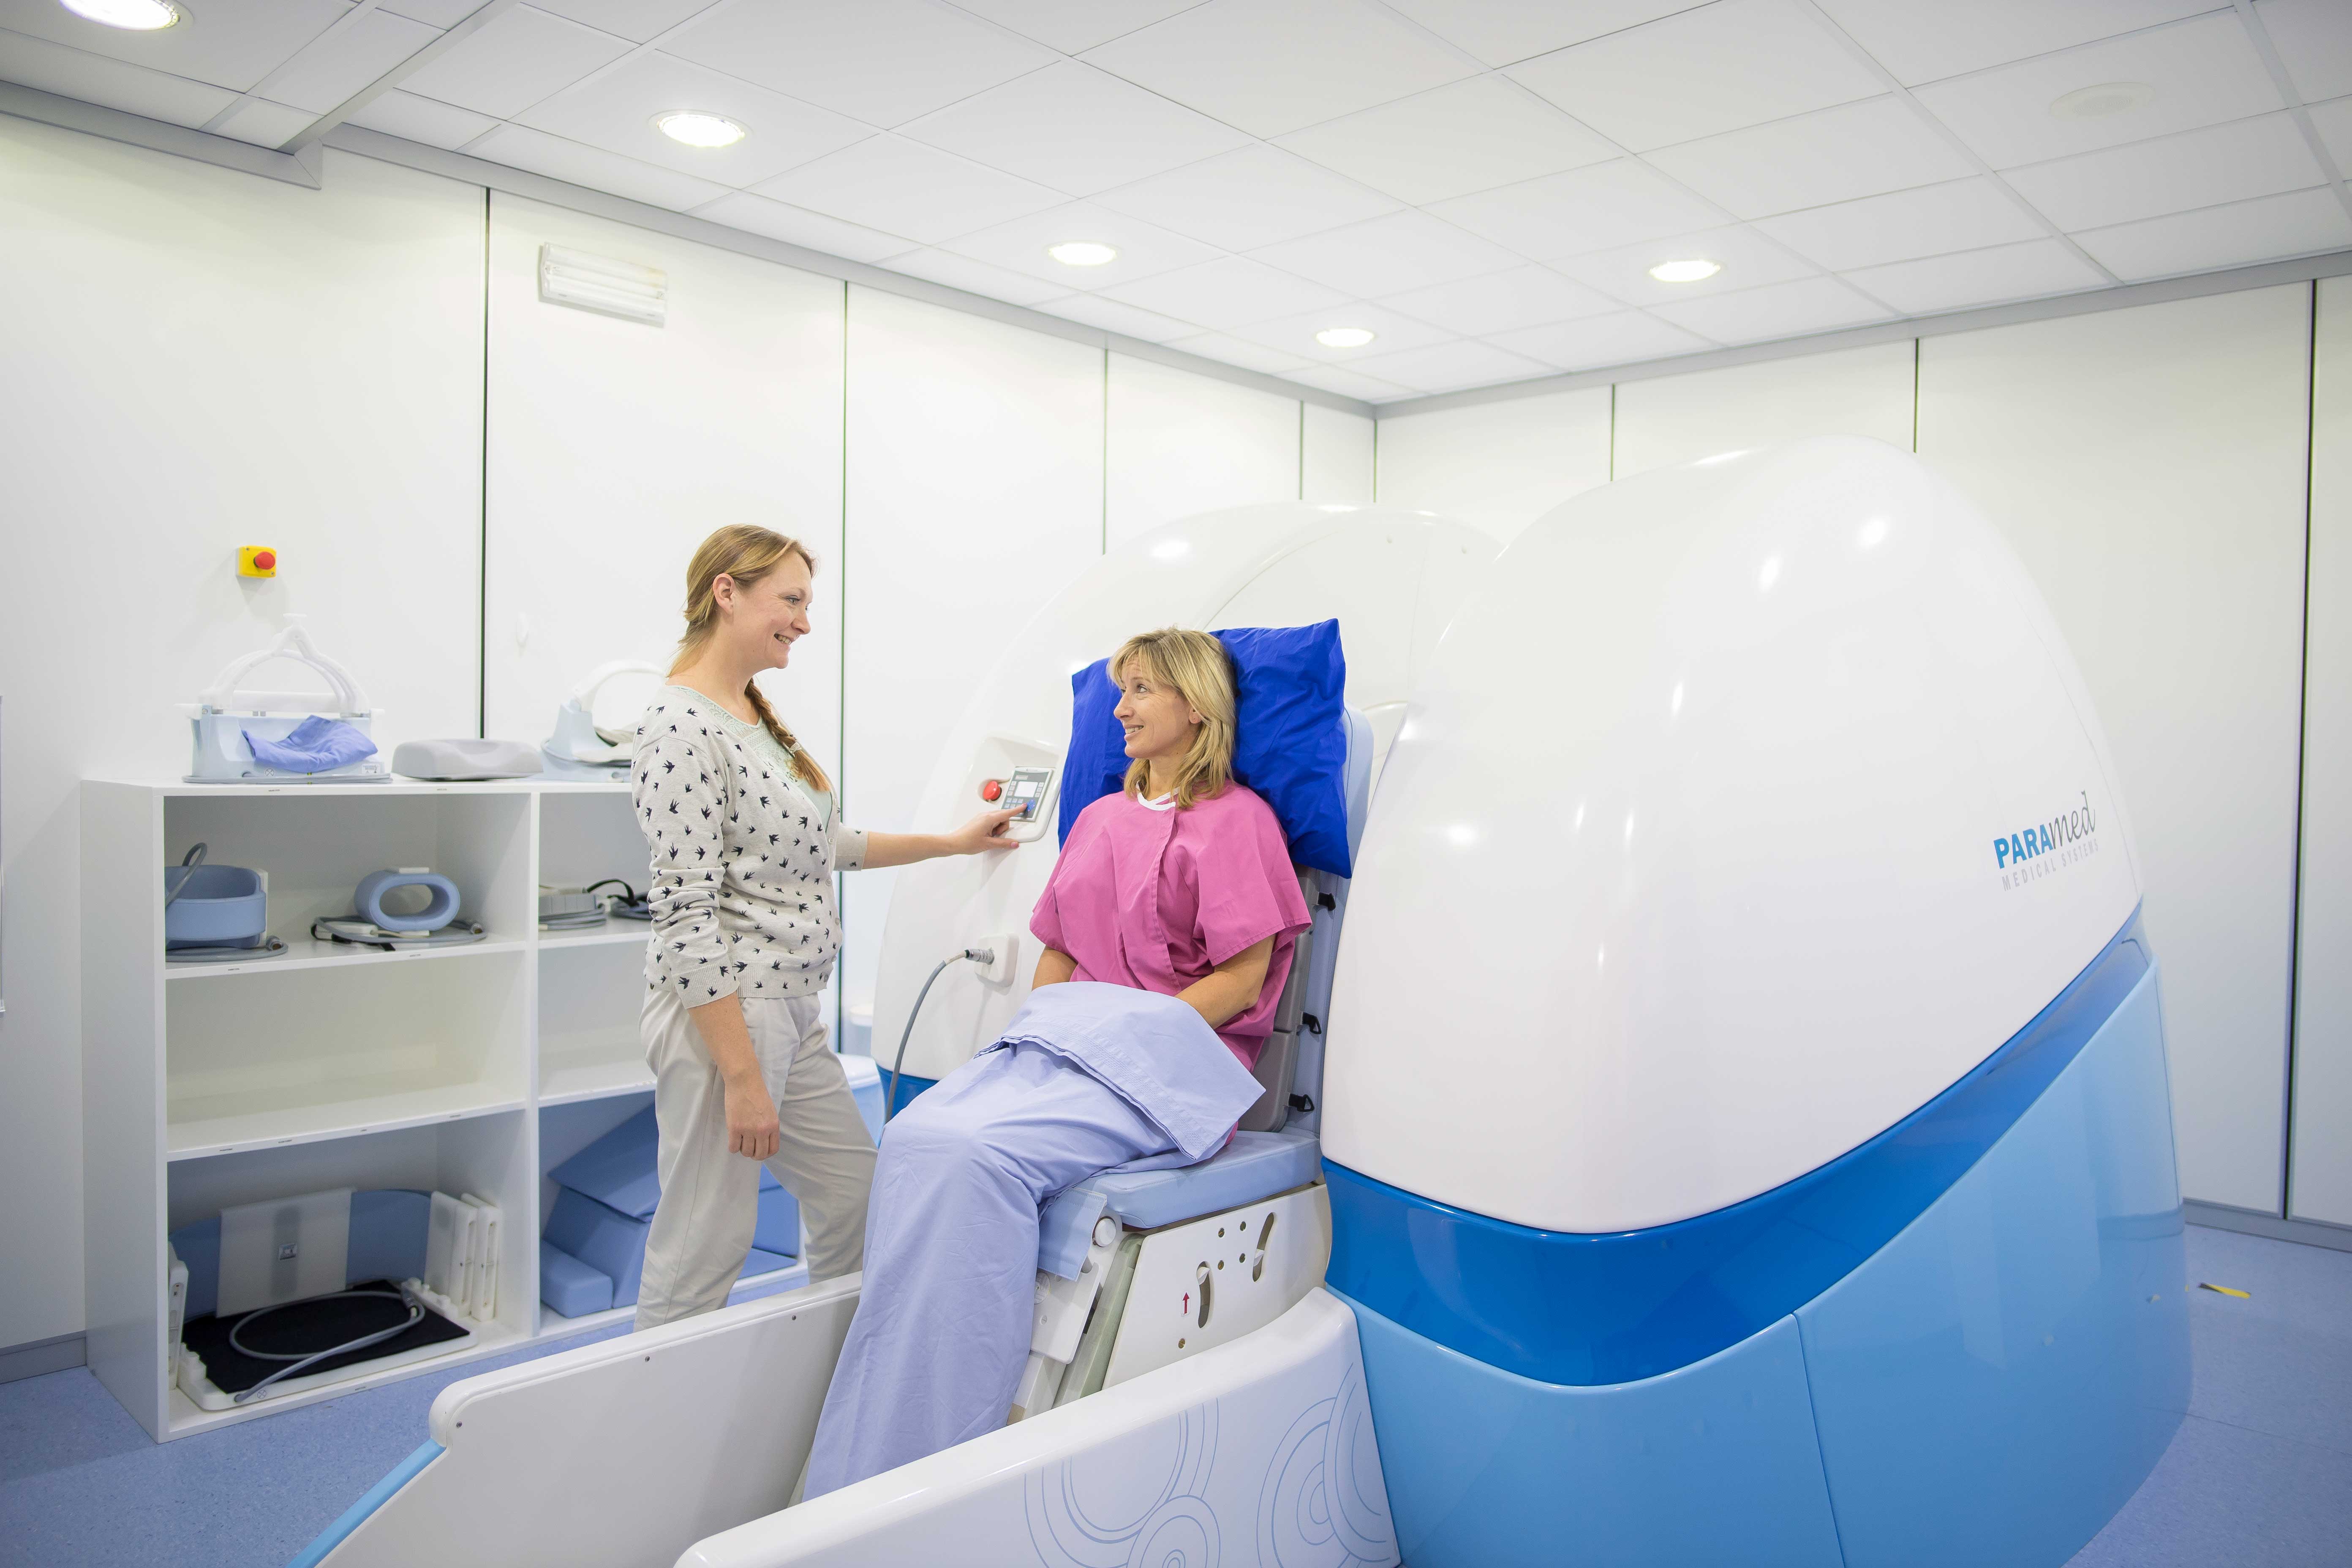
[{"x": 210, "y": 1085}]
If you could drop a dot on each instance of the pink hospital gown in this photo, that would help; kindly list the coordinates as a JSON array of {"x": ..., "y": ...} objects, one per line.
[{"x": 1156, "y": 898}]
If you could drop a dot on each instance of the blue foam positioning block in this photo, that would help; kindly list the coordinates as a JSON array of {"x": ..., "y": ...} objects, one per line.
[
  {"x": 779, "y": 1229},
  {"x": 619, "y": 1169},
  {"x": 1997, "y": 1380},
  {"x": 388, "y": 1227},
  {"x": 612, "y": 1243},
  {"x": 569, "y": 1286},
  {"x": 1713, "y": 1463}
]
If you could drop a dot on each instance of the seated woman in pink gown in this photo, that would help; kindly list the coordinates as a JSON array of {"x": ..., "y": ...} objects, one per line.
[{"x": 1172, "y": 912}]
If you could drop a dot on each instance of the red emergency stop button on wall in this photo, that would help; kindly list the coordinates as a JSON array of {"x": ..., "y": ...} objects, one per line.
[{"x": 993, "y": 791}]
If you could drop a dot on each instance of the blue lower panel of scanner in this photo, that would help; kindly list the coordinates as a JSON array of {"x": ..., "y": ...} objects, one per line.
[{"x": 1988, "y": 1387}]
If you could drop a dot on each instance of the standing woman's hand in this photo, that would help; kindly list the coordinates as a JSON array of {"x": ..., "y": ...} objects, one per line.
[
  {"x": 985, "y": 831},
  {"x": 752, "y": 1128}
]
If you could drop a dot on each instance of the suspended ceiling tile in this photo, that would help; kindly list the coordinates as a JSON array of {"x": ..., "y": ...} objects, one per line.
[
  {"x": 2246, "y": 158},
  {"x": 2297, "y": 223},
  {"x": 2035, "y": 270},
  {"x": 1389, "y": 254},
  {"x": 1775, "y": 311},
  {"x": 225, "y": 43},
  {"x": 882, "y": 61},
  {"x": 1467, "y": 136},
  {"x": 2202, "y": 71},
  {"x": 1390, "y": 332},
  {"x": 1021, "y": 245},
  {"x": 1831, "y": 155},
  {"x": 1228, "y": 292},
  {"x": 514, "y": 61},
  {"x": 1253, "y": 196},
  {"x": 2314, "y": 39},
  {"x": 1749, "y": 260},
  {"x": 1349, "y": 384},
  {"x": 1740, "y": 62},
  {"x": 108, "y": 82},
  {"x": 2334, "y": 122},
  {"x": 1111, "y": 316},
  {"x": 1275, "y": 66},
  {"x": 1928, "y": 42},
  {"x": 797, "y": 225},
  {"x": 264, "y": 123},
  {"x": 975, "y": 277},
  {"x": 340, "y": 63},
  {"x": 1074, "y": 27},
  {"x": 447, "y": 13},
  {"x": 904, "y": 187},
  {"x": 1618, "y": 203},
  {"x": 1227, "y": 350},
  {"x": 1622, "y": 339},
  {"x": 639, "y": 21},
  {"x": 521, "y": 147},
  {"x": 616, "y": 109},
  {"x": 1929, "y": 220},
  {"x": 1449, "y": 367},
  {"x": 426, "y": 120},
  {"x": 1501, "y": 32},
  {"x": 1500, "y": 301},
  {"x": 1075, "y": 128}
]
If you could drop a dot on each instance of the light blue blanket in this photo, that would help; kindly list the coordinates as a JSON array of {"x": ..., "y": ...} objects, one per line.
[{"x": 1085, "y": 1078}]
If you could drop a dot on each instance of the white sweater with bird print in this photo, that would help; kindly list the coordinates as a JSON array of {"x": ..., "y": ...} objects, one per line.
[{"x": 743, "y": 857}]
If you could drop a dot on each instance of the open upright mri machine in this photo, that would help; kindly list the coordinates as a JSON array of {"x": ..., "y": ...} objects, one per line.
[{"x": 1730, "y": 1127}]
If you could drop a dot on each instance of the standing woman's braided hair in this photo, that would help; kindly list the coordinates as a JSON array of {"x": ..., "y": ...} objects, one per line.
[{"x": 745, "y": 552}]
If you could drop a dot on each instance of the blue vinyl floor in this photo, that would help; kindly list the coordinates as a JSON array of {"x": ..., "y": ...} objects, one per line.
[{"x": 2260, "y": 1477}]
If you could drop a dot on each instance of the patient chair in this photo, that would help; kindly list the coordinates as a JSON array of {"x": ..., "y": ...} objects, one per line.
[{"x": 1138, "y": 1269}]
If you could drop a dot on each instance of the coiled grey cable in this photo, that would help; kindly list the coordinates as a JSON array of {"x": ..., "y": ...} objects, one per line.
[
  {"x": 891, "y": 1095},
  {"x": 415, "y": 1316},
  {"x": 187, "y": 869}
]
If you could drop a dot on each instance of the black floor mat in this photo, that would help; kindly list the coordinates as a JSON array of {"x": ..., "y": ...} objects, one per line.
[{"x": 300, "y": 1328}]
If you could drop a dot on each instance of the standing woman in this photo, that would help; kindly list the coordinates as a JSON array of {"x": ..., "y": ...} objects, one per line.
[{"x": 745, "y": 841}]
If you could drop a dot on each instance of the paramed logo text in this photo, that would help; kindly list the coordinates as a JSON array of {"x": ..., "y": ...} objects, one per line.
[{"x": 2047, "y": 847}]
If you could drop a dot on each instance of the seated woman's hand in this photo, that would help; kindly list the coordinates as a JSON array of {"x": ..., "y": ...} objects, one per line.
[{"x": 985, "y": 831}]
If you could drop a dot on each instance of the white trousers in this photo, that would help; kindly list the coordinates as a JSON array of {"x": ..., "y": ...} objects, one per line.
[{"x": 711, "y": 1196}]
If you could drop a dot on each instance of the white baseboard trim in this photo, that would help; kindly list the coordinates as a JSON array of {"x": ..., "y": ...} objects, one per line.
[
  {"x": 37, "y": 1357},
  {"x": 2251, "y": 1222}
]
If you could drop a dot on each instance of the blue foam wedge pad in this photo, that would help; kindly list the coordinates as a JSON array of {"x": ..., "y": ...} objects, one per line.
[
  {"x": 619, "y": 1169},
  {"x": 569, "y": 1286},
  {"x": 605, "y": 1239},
  {"x": 780, "y": 1224},
  {"x": 757, "y": 1262},
  {"x": 388, "y": 1227}
]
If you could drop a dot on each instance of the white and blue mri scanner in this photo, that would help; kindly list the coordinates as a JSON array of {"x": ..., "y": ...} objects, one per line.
[{"x": 1723, "y": 1120}]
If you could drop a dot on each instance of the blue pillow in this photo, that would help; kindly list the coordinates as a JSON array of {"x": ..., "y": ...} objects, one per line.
[{"x": 1291, "y": 745}]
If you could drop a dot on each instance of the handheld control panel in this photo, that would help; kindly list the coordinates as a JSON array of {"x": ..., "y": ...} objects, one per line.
[{"x": 1028, "y": 791}]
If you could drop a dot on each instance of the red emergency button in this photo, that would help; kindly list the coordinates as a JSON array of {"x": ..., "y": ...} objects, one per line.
[
  {"x": 265, "y": 559},
  {"x": 993, "y": 791}
]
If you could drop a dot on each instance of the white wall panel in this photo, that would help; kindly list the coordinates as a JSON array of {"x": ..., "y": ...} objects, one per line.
[
  {"x": 1335, "y": 462},
  {"x": 2149, "y": 465},
  {"x": 1682, "y": 418},
  {"x": 1180, "y": 443},
  {"x": 2320, "y": 1186},
  {"x": 1498, "y": 466},
  {"x": 616, "y": 447},
  {"x": 975, "y": 493},
  {"x": 200, "y": 359}
]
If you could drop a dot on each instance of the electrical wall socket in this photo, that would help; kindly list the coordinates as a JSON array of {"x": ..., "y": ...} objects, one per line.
[{"x": 1000, "y": 970}]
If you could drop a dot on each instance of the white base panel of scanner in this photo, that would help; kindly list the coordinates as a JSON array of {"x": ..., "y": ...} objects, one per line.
[{"x": 1258, "y": 1450}]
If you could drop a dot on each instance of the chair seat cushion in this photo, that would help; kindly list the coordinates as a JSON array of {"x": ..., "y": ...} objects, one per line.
[{"x": 1254, "y": 1166}]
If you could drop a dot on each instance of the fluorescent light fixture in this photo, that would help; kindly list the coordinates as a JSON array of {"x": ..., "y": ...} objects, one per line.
[
  {"x": 697, "y": 129},
  {"x": 2099, "y": 101},
  {"x": 1083, "y": 252},
  {"x": 1689, "y": 270},
  {"x": 601, "y": 284},
  {"x": 1345, "y": 337},
  {"x": 139, "y": 16}
]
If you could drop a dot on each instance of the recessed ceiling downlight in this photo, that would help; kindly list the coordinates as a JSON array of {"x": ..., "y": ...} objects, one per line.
[
  {"x": 1345, "y": 337},
  {"x": 139, "y": 16},
  {"x": 1083, "y": 252},
  {"x": 1689, "y": 270},
  {"x": 698, "y": 128},
  {"x": 2100, "y": 101}
]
